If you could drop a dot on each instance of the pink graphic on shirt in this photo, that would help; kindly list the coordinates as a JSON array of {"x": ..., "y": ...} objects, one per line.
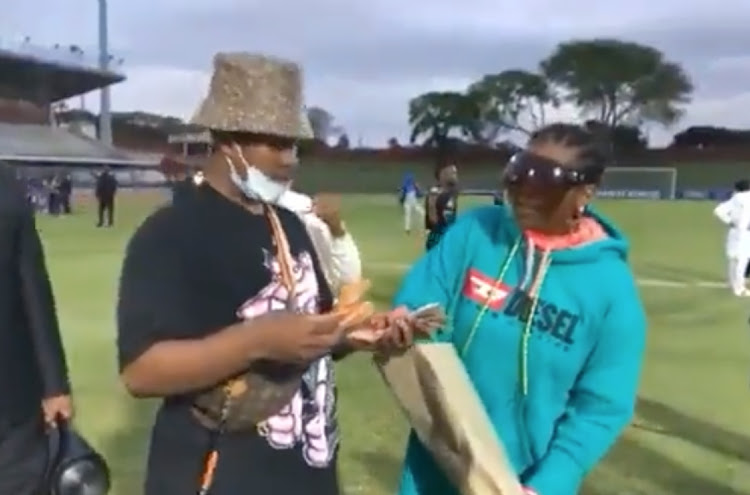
[
  {"x": 275, "y": 296},
  {"x": 309, "y": 419},
  {"x": 284, "y": 430}
]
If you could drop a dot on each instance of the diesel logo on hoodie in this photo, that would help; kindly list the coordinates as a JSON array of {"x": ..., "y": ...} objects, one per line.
[
  {"x": 485, "y": 290},
  {"x": 548, "y": 318}
]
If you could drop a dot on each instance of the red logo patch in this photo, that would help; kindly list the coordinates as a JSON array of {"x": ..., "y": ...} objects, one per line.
[{"x": 485, "y": 290}]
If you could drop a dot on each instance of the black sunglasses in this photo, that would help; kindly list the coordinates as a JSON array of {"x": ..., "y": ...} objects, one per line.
[{"x": 530, "y": 168}]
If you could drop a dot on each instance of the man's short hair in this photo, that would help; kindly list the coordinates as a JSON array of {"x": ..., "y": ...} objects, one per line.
[{"x": 742, "y": 185}]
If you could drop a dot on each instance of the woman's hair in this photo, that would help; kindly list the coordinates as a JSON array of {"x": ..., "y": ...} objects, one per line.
[{"x": 579, "y": 146}]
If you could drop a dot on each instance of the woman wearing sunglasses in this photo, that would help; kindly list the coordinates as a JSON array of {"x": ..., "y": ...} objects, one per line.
[{"x": 543, "y": 308}]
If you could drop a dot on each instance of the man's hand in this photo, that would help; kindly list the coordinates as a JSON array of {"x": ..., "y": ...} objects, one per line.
[
  {"x": 57, "y": 408},
  {"x": 367, "y": 336},
  {"x": 300, "y": 338},
  {"x": 328, "y": 208}
]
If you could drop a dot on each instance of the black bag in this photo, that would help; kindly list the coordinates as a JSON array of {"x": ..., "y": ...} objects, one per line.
[
  {"x": 73, "y": 466},
  {"x": 747, "y": 270}
]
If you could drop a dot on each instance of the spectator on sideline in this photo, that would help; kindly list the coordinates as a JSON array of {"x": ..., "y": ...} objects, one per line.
[
  {"x": 106, "y": 190},
  {"x": 735, "y": 214},
  {"x": 545, "y": 313},
  {"x": 223, "y": 283},
  {"x": 53, "y": 195},
  {"x": 442, "y": 203},
  {"x": 34, "y": 387},
  {"x": 65, "y": 190}
]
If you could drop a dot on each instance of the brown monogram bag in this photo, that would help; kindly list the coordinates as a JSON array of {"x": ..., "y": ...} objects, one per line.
[{"x": 266, "y": 387}]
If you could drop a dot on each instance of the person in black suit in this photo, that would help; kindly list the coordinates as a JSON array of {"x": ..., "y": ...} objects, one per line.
[
  {"x": 34, "y": 387},
  {"x": 106, "y": 189}
]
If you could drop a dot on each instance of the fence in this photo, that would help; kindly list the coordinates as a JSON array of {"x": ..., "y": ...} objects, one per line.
[{"x": 382, "y": 177}]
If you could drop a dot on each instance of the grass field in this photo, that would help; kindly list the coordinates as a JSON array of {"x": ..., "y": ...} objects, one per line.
[{"x": 692, "y": 431}]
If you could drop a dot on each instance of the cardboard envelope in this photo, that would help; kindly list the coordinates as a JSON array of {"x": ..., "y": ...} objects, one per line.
[{"x": 434, "y": 390}]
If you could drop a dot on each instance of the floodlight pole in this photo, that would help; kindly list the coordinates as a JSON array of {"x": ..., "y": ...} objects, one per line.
[{"x": 105, "y": 115}]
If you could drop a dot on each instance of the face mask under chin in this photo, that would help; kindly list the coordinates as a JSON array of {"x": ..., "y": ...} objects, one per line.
[{"x": 256, "y": 185}]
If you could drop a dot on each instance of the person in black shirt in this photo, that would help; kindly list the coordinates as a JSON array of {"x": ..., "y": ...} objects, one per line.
[
  {"x": 106, "y": 189},
  {"x": 65, "y": 191},
  {"x": 222, "y": 283},
  {"x": 442, "y": 204},
  {"x": 34, "y": 386}
]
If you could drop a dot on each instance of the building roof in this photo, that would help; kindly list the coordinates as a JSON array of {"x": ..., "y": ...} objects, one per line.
[
  {"x": 192, "y": 135},
  {"x": 28, "y": 75},
  {"x": 45, "y": 144}
]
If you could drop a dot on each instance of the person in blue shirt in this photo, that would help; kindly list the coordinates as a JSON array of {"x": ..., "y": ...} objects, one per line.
[
  {"x": 544, "y": 311},
  {"x": 442, "y": 204},
  {"x": 409, "y": 195}
]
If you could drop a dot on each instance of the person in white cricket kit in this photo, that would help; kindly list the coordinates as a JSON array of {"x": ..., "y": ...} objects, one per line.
[
  {"x": 735, "y": 213},
  {"x": 337, "y": 251},
  {"x": 409, "y": 197}
]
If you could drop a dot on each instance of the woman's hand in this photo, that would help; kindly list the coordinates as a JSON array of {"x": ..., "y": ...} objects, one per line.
[{"x": 395, "y": 331}]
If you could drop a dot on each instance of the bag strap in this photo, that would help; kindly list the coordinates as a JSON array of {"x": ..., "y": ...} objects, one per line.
[{"x": 283, "y": 255}]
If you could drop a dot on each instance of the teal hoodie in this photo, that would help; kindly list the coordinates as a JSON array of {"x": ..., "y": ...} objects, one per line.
[{"x": 560, "y": 386}]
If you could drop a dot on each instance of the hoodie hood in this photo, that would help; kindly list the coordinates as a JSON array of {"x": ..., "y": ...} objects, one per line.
[{"x": 613, "y": 244}]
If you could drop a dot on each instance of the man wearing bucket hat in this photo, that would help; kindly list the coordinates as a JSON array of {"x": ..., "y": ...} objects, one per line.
[{"x": 225, "y": 312}]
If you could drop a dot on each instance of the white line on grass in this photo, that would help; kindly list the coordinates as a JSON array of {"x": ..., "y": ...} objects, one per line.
[{"x": 644, "y": 281}]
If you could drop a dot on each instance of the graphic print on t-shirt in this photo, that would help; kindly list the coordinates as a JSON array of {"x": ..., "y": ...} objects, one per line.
[{"x": 309, "y": 419}]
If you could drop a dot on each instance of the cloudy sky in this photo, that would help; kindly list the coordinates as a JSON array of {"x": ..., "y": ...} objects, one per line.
[{"x": 365, "y": 59}]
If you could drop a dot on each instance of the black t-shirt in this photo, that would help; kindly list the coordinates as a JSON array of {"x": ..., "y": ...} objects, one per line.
[
  {"x": 194, "y": 267},
  {"x": 446, "y": 205}
]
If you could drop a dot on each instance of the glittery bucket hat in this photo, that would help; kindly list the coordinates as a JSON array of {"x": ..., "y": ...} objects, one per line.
[{"x": 255, "y": 94}]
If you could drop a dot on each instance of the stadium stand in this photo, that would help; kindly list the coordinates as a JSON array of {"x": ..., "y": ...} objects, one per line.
[
  {"x": 28, "y": 73},
  {"x": 47, "y": 144},
  {"x": 32, "y": 80}
]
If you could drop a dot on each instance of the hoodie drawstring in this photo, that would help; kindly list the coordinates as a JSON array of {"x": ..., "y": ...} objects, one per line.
[{"x": 533, "y": 291}]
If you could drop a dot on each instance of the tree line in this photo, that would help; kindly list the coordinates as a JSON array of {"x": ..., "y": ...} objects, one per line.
[{"x": 617, "y": 85}]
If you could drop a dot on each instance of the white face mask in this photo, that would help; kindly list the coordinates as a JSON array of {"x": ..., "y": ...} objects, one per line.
[{"x": 256, "y": 185}]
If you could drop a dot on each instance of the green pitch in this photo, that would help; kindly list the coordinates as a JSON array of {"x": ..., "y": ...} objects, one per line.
[{"x": 692, "y": 432}]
